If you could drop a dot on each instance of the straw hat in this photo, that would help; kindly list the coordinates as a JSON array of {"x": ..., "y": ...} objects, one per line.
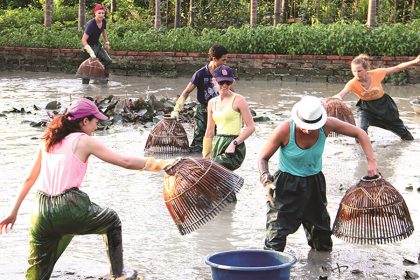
[{"x": 309, "y": 113}]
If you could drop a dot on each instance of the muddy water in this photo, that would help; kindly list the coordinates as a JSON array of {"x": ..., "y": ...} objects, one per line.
[{"x": 152, "y": 244}]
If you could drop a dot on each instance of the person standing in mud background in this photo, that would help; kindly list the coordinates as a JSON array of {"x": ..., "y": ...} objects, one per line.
[
  {"x": 206, "y": 90},
  {"x": 376, "y": 108},
  {"x": 296, "y": 194},
  {"x": 90, "y": 39},
  {"x": 63, "y": 210}
]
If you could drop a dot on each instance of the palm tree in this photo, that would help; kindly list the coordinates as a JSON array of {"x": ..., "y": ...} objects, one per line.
[
  {"x": 254, "y": 5},
  {"x": 371, "y": 14},
  {"x": 177, "y": 23},
  {"x": 157, "y": 14},
  {"x": 413, "y": 7},
  {"x": 82, "y": 15},
  {"x": 48, "y": 12},
  {"x": 192, "y": 13},
  {"x": 113, "y": 6},
  {"x": 283, "y": 11},
  {"x": 277, "y": 5}
]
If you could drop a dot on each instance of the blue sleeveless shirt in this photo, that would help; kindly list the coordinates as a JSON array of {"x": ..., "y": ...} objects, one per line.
[{"x": 302, "y": 162}]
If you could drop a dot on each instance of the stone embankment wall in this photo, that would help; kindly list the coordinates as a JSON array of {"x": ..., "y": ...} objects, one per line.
[{"x": 306, "y": 68}]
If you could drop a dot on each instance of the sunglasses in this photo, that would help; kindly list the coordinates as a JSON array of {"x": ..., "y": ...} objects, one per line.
[{"x": 224, "y": 82}]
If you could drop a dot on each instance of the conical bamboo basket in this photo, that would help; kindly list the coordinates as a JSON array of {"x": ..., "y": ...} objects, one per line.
[
  {"x": 168, "y": 136},
  {"x": 91, "y": 69},
  {"x": 338, "y": 109},
  {"x": 373, "y": 212},
  {"x": 197, "y": 190}
]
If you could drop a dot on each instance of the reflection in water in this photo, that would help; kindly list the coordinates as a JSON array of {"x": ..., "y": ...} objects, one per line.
[{"x": 152, "y": 243}]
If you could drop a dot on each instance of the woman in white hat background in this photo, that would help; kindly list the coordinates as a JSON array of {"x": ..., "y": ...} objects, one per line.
[
  {"x": 62, "y": 209},
  {"x": 296, "y": 194}
]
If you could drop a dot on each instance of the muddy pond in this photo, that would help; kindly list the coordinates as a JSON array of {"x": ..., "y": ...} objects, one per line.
[{"x": 152, "y": 244}]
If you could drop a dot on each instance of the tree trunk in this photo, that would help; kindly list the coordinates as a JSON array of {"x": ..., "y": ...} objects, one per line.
[
  {"x": 177, "y": 23},
  {"x": 254, "y": 5},
  {"x": 395, "y": 11},
  {"x": 113, "y": 6},
  {"x": 48, "y": 12},
  {"x": 82, "y": 15},
  {"x": 355, "y": 6},
  {"x": 317, "y": 8},
  {"x": 304, "y": 9},
  {"x": 157, "y": 14},
  {"x": 412, "y": 9},
  {"x": 277, "y": 9},
  {"x": 371, "y": 14},
  {"x": 283, "y": 11},
  {"x": 191, "y": 13}
]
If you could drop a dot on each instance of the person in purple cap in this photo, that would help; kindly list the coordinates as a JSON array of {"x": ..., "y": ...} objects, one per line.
[
  {"x": 63, "y": 209},
  {"x": 226, "y": 114}
]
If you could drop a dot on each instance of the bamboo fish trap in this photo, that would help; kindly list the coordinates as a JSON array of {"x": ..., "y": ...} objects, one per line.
[
  {"x": 168, "y": 136},
  {"x": 373, "y": 212},
  {"x": 338, "y": 109},
  {"x": 196, "y": 190},
  {"x": 91, "y": 69}
]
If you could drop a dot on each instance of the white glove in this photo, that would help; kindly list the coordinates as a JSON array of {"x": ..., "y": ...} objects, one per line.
[
  {"x": 90, "y": 51},
  {"x": 175, "y": 114}
]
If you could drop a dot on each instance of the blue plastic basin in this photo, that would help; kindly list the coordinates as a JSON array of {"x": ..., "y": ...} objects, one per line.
[{"x": 250, "y": 265}]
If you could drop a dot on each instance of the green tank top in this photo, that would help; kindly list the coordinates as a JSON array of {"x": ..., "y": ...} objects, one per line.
[
  {"x": 228, "y": 121},
  {"x": 302, "y": 162}
]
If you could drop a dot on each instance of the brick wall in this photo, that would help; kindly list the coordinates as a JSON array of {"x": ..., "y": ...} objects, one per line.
[{"x": 308, "y": 68}]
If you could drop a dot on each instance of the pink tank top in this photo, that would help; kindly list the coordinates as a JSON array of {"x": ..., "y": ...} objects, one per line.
[{"x": 61, "y": 169}]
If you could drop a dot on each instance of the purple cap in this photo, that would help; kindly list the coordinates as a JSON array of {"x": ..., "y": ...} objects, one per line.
[
  {"x": 84, "y": 107},
  {"x": 224, "y": 73}
]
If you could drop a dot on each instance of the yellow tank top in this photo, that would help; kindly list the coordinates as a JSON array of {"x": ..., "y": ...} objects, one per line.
[{"x": 227, "y": 120}]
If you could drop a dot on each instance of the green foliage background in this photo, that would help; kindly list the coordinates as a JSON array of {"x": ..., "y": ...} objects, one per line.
[{"x": 132, "y": 30}]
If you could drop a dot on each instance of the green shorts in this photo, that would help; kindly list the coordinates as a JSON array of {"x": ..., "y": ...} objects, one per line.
[{"x": 230, "y": 161}]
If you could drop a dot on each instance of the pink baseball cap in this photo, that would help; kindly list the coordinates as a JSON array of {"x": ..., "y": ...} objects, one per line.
[{"x": 84, "y": 107}]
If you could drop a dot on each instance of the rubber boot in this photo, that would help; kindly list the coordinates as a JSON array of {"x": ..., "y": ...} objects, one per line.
[
  {"x": 85, "y": 81},
  {"x": 113, "y": 242}
]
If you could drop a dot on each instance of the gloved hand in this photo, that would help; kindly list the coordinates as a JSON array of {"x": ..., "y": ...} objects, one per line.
[
  {"x": 175, "y": 114},
  {"x": 179, "y": 105},
  {"x": 269, "y": 192},
  {"x": 266, "y": 180},
  {"x": 156, "y": 165},
  {"x": 207, "y": 146},
  {"x": 90, "y": 51}
]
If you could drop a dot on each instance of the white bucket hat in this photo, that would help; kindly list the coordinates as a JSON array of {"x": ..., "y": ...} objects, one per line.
[{"x": 308, "y": 113}]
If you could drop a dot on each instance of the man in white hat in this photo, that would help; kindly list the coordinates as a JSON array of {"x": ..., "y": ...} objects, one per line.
[{"x": 296, "y": 194}]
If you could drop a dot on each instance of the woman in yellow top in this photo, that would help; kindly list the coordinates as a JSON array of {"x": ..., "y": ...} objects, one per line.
[
  {"x": 227, "y": 112},
  {"x": 375, "y": 107}
]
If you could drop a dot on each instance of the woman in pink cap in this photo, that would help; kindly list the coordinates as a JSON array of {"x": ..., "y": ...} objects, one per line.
[
  {"x": 90, "y": 40},
  {"x": 63, "y": 209}
]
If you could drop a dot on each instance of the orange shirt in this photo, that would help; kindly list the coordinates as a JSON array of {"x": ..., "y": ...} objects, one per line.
[{"x": 375, "y": 90}]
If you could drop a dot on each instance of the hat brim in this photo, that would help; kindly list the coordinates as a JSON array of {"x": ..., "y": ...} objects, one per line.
[
  {"x": 100, "y": 116},
  {"x": 221, "y": 79},
  {"x": 305, "y": 125}
]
